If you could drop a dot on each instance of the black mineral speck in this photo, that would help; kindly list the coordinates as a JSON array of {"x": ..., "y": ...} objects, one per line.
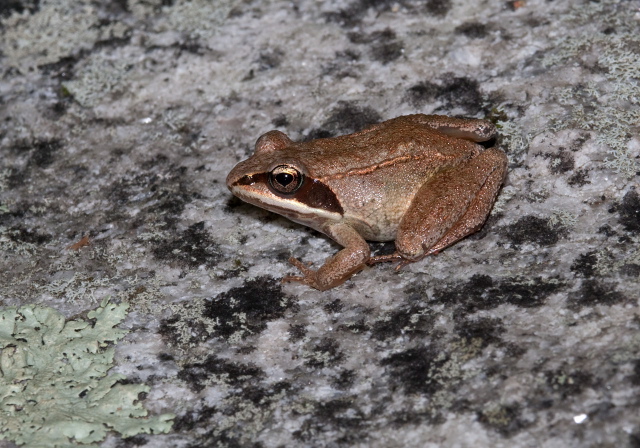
[
  {"x": 340, "y": 415},
  {"x": 630, "y": 270},
  {"x": 297, "y": 332},
  {"x": 156, "y": 186},
  {"x": 346, "y": 118},
  {"x": 43, "y": 152},
  {"x": 532, "y": 229},
  {"x": 585, "y": 264},
  {"x": 193, "y": 248},
  {"x": 592, "y": 293},
  {"x": 164, "y": 357},
  {"x": 270, "y": 59},
  {"x": 438, "y": 7},
  {"x": 385, "y": 47},
  {"x": 352, "y": 15},
  {"x": 422, "y": 93},
  {"x": 486, "y": 329},
  {"x": 242, "y": 311},
  {"x": 280, "y": 121},
  {"x": 481, "y": 292},
  {"x": 413, "y": 320},
  {"x": 324, "y": 353},
  {"x": 461, "y": 92},
  {"x": 472, "y": 30},
  {"x": 344, "y": 380},
  {"x": 386, "y": 52},
  {"x": 249, "y": 306},
  {"x": 635, "y": 377},
  {"x": 629, "y": 211},
  {"x": 452, "y": 91},
  {"x": 607, "y": 231},
  {"x": 527, "y": 293},
  {"x": 475, "y": 294},
  {"x": 634, "y": 440},
  {"x": 579, "y": 178},
  {"x": 343, "y": 65},
  {"x": 22, "y": 235},
  {"x": 8, "y": 7},
  {"x": 190, "y": 420},
  {"x": 561, "y": 162},
  {"x": 133, "y": 441},
  {"x": 335, "y": 306},
  {"x": 230, "y": 372},
  {"x": 412, "y": 370}
]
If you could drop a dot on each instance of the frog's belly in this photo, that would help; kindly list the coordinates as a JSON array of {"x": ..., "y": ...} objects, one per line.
[
  {"x": 377, "y": 210},
  {"x": 384, "y": 233},
  {"x": 376, "y": 219}
]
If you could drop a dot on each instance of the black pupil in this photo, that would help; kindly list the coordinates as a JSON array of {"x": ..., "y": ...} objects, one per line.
[{"x": 284, "y": 179}]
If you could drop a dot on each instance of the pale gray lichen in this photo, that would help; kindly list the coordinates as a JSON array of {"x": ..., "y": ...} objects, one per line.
[
  {"x": 97, "y": 81},
  {"x": 198, "y": 19},
  {"x": 609, "y": 261},
  {"x": 506, "y": 194},
  {"x": 76, "y": 288},
  {"x": 607, "y": 107},
  {"x": 562, "y": 218},
  {"x": 59, "y": 28},
  {"x": 10, "y": 244},
  {"x": 515, "y": 138},
  {"x": 54, "y": 388}
]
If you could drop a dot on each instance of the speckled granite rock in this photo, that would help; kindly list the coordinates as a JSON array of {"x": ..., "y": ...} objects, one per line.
[{"x": 120, "y": 119}]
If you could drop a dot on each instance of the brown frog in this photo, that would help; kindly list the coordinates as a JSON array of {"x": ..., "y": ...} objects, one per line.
[{"x": 419, "y": 180}]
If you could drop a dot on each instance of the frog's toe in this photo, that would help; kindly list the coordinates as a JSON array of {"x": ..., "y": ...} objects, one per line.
[
  {"x": 403, "y": 263},
  {"x": 292, "y": 278},
  {"x": 384, "y": 258},
  {"x": 308, "y": 277}
]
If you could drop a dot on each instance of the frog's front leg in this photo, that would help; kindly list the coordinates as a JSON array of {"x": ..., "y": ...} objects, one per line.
[
  {"x": 450, "y": 206},
  {"x": 339, "y": 268}
]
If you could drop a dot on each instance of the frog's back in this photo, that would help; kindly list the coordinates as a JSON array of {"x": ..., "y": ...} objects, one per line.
[{"x": 395, "y": 142}]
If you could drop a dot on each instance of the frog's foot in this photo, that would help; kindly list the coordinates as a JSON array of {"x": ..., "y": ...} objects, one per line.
[
  {"x": 308, "y": 276},
  {"x": 391, "y": 257},
  {"x": 384, "y": 258}
]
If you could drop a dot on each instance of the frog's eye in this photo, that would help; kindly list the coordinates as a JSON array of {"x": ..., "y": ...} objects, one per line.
[{"x": 285, "y": 179}]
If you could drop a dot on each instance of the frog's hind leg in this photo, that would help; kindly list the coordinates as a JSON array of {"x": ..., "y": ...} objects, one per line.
[
  {"x": 471, "y": 129},
  {"x": 450, "y": 206}
]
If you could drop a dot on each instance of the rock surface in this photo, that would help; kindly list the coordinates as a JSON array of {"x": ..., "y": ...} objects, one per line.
[{"x": 119, "y": 121}]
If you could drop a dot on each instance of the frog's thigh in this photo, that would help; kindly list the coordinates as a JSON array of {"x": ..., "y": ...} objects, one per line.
[
  {"x": 451, "y": 205},
  {"x": 339, "y": 268}
]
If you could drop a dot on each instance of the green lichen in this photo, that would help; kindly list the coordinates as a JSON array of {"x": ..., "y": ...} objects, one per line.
[{"x": 54, "y": 388}]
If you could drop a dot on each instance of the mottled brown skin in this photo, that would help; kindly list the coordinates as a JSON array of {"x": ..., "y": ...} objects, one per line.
[{"x": 420, "y": 180}]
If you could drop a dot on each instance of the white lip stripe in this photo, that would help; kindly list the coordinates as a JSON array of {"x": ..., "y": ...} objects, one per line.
[{"x": 294, "y": 206}]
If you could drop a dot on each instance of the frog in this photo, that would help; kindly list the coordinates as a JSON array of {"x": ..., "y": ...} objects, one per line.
[{"x": 422, "y": 181}]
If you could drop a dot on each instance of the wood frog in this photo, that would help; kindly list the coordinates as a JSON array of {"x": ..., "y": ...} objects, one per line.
[{"x": 419, "y": 180}]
